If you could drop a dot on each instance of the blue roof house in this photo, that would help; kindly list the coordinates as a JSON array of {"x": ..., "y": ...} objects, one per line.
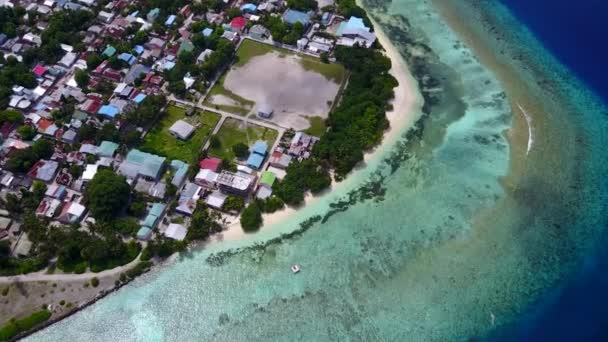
[
  {"x": 168, "y": 65},
  {"x": 292, "y": 16},
  {"x": 127, "y": 57},
  {"x": 170, "y": 20},
  {"x": 207, "y": 32},
  {"x": 181, "y": 170},
  {"x": 153, "y": 14},
  {"x": 138, "y": 49},
  {"x": 139, "y": 98},
  {"x": 249, "y": 8},
  {"x": 255, "y": 160},
  {"x": 352, "y": 24},
  {"x": 260, "y": 147},
  {"x": 109, "y": 111}
]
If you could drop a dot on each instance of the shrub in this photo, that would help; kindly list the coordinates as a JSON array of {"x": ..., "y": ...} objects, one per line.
[
  {"x": 80, "y": 268},
  {"x": 95, "y": 282},
  {"x": 15, "y": 327}
]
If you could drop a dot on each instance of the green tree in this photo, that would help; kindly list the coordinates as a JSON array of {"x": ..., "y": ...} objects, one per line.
[
  {"x": 75, "y": 170},
  {"x": 27, "y": 132},
  {"x": 11, "y": 116},
  {"x": 215, "y": 142},
  {"x": 137, "y": 209},
  {"x": 324, "y": 57},
  {"x": 82, "y": 78},
  {"x": 107, "y": 195},
  {"x": 240, "y": 150},
  {"x": 251, "y": 218},
  {"x": 234, "y": 203},
  {"x": 93, "y": 60},
  {"x": 233, "y": 12},
  {"x": 43, "y": 148}
]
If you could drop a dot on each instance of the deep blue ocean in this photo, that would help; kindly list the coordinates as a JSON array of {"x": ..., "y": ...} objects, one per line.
[{"x": 576, "y": 32}]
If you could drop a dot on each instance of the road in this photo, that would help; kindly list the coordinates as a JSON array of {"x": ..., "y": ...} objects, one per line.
[
  {"x": 42, "y": 276},
  {"x": 225, "y": 115}
]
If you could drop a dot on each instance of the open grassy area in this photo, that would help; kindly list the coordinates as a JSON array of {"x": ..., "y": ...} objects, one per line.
[
  {"x": 160, "y": 141},
  {"x": 250, "y": 48},
  {"x": 317, "y": 126},
  {"x": 235, "y": 131}
]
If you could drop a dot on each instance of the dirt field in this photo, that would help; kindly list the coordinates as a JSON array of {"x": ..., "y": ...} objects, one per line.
[
  {"x": 23, "y": 298},
  {"x": 282, "y": 81}
]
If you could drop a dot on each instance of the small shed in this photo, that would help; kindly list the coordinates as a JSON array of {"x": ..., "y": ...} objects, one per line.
[
  {"x": 265, "y": 111},
  {"x": 181, "y": 129}
]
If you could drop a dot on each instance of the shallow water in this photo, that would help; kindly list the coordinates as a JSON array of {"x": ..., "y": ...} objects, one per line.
[{"x": 446, "y": 236}]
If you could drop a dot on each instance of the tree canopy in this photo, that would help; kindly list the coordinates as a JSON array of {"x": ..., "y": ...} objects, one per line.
[
  {"x": 107, "y": 195},
  {"x": 251, "y": 218}
]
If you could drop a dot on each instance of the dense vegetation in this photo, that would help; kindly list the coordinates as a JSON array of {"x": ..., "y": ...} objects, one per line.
[
  {"x": 64, "y": 28},
  {"x": 303, "y": 5},
  {"x": 358, "y": 122},
  {"x": 302, "y": 177},
  {"x": 16, "y": 326},
  {"x": 281, "y": 32},
  {"x": 10, "y": 19},
  {"x": 107, "y": 195},
  {"x": 354, "y": 126},
  {"x": 13, "y": 73}
]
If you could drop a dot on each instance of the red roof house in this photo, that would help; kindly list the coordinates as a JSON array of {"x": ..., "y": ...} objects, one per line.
[
  {"x": 238, "y": 23},
  {"x": 39, "y": 70},
  {"x": 210, "y": 163}
]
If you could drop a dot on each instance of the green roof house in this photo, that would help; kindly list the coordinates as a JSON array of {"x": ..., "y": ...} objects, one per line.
[
  {"x": 268, "y": 178},
  {"x": 144, "y": 234},
  {"x": 107, "y": 149},
  {"x": 142, "y": 164},
  {"x": 186, "y": 46},
  {"x": 109, "y": 51}
]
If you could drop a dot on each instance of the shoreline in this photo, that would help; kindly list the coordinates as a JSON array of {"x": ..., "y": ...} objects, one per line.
[{"x": 405, "y": 113}]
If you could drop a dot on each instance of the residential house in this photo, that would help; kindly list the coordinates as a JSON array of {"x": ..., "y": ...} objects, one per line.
[
  {"x": 235, "y": 183},
  {"x": 176, "y": 232},
  {"x": 181, "y": 129},
  {"x": 257, "y": 155},
  {"x": 292, "y": 16},
  {"x": 142, "y": 164},
  {"x": 354, "y": 32},
  {"x": 44, "y": 170}
]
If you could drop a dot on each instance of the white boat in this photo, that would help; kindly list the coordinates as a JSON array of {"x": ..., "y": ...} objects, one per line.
[{"x": 295, "y": 268}]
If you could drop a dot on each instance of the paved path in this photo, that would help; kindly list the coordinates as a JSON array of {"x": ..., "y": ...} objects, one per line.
[
  {"x": 41, "y": 276},
  {"x": 225, "y": 115}
]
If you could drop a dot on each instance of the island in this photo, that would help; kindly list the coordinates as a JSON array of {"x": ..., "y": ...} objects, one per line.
[{"x": 131, "y": 130}]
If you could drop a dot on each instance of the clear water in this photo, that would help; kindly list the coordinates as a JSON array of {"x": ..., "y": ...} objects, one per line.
[{"x": 432, "y": 240}]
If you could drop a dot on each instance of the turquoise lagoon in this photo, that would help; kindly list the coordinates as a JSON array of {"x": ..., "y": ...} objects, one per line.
[{"x": 431, "y": 240}]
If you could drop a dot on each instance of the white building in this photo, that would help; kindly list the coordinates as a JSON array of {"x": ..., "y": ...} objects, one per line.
[{"x": 181, "y": 129}]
